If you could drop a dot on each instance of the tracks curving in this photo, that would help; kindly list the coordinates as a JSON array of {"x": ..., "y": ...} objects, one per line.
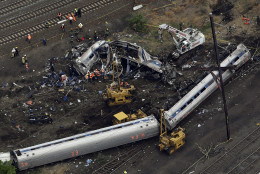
[
  {"x": 227, "y": 159},
  {"x": 16, "y": 5},
  {"x": 41, "y": 26}
]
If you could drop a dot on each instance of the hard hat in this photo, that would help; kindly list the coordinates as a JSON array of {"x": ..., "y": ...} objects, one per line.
[
  {"x": 107, "y": 28},
  {"x": 24, "y": 55},
  {"x": 16, "y": 47}
]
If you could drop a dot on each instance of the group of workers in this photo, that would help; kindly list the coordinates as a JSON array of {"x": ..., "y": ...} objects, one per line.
[
  {"x": 70, "y": 17},
  {"x": 77, "y": 12},
  {"x": 15, "y": 53},
  {"x": 96, "y": 74}
]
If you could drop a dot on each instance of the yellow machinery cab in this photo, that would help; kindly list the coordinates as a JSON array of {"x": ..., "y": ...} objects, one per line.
[
  {"x": 171, "y": 142},
  {"x": 121, "y": 117},
  {"x": 117, "y": 95}
]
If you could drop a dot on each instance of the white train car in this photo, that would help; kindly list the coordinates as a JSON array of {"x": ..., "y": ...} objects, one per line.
[
  {"x": 205, "y": 88},
  {"x": 85, "y": 143}
]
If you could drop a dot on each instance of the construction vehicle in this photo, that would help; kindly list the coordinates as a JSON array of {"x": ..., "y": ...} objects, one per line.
[
  {"x": 117, "y": 94},
  {"x": 186, "y": 40},
  {"x": 121, "y": 117},
  {"x": 171, "y": 142}
]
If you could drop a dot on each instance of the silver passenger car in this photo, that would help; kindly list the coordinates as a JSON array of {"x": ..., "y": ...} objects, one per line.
[
  {"x": 85, "y": 143},
  {"x": 205, "y": 88},
  {"x": 84, "y": 63}
]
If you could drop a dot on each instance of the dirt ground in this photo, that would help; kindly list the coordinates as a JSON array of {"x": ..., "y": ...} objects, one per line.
[{"x": 84, "y": 108}]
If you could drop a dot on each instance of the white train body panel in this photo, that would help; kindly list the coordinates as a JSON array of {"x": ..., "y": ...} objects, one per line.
[
  {"x": 205, "y": 88},
  {"x": 85, "y": 143}
]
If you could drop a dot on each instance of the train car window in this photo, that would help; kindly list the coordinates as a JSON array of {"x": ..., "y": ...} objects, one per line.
[
  {"x": 203, "y": 89},
  {"x": 18, "y": 152},
  {"x": 235, "y": 59},
  {"x": 83, "y": 65},
  {"x": 196, "y": 95},
  {"x": 190, "y": 101},
  {"x": 183, "y": 107},
  {"x": 91, "y": 56}
]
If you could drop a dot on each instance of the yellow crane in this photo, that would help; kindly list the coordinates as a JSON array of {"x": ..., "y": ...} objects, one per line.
[
  {"x": 116, "y": 93},
  {"x": 173, "y": 141}
]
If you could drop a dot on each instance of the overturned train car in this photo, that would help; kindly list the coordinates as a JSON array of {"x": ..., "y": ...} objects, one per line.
[
  {"x": 205, "y": 88},
  {"x": 85, "y": 143},
  {"x": 102, "y": 53}
]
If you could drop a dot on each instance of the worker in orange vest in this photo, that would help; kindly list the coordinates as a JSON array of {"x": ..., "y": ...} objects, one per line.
[
  {"x": 97, "y": 73},
  {"x": 70, "y": 18},
  {"x": 127, "y": 85},
  {"x": 29, "y": 37},
  {"x": 92, "y": 75},
  {"x": 27, "y": 66},
  {"x": 86, "y": 77},
  {"x": 73, "y": 17},
  {"x": 102, "y": 72}
]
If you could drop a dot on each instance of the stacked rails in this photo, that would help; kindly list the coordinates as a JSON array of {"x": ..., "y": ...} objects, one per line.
[{"x": 205, "y": 88}]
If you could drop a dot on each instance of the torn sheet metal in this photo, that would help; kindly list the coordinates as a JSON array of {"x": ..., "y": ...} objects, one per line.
[
  {"x": 136, "y": 54},
  {"x": 85, "y": 62},
  {"x": 102, "y": 51}
]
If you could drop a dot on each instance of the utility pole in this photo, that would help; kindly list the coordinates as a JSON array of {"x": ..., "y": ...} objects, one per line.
[{"x": 220, "y": 76}]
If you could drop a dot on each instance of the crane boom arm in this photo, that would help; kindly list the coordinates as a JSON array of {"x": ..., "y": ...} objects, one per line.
[{"x": 174, "y": 30}]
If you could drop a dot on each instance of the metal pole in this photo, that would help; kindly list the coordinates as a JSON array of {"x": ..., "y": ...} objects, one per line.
[{"x": 220, "y": 76}]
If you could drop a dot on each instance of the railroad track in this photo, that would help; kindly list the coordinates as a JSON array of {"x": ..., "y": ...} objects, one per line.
[
  {"x": 35, "y": 13},
  {"x": 16, "y": 5},
  {"x": 249, "y": 161},
  {"x": 120, "y": 159},
  {"x": 22, "y": 33},
  {"x": 227, "y": 159}
]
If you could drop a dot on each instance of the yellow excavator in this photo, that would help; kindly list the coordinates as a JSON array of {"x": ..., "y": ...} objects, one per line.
[
  {"x": 117, "y": 93},
  {"x": 121, "y": 117},
  {"x": 171, "y": 142}
]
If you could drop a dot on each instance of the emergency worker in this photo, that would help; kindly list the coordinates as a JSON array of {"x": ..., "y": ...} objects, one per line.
[{"x": 59, "y": 15}]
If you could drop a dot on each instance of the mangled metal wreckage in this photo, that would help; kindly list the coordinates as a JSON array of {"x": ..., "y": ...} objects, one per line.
[{"x": 102, "y": 54}]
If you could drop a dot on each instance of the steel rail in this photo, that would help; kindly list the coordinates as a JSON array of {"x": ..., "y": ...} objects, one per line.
[
  {"x": 35, "y": 13},
  {"x": 236, "y": 170},
  {"x": 22, "y": 33},
  {"x": 16, "y": 5},
  {"x": 240, "y": 146}
]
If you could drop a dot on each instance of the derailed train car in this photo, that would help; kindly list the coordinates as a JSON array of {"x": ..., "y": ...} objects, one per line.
[
  {"x": 85, "y": 143},
  {"x": 205, "y": 88},
  {"x": 128, "y": 132},
  {"x": 102, "y": 51}
]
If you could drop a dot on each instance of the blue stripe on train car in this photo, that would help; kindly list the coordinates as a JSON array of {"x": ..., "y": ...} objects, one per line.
[
  {"x": 26, "y": 150},
  {"x": 241, "y": 54}
]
